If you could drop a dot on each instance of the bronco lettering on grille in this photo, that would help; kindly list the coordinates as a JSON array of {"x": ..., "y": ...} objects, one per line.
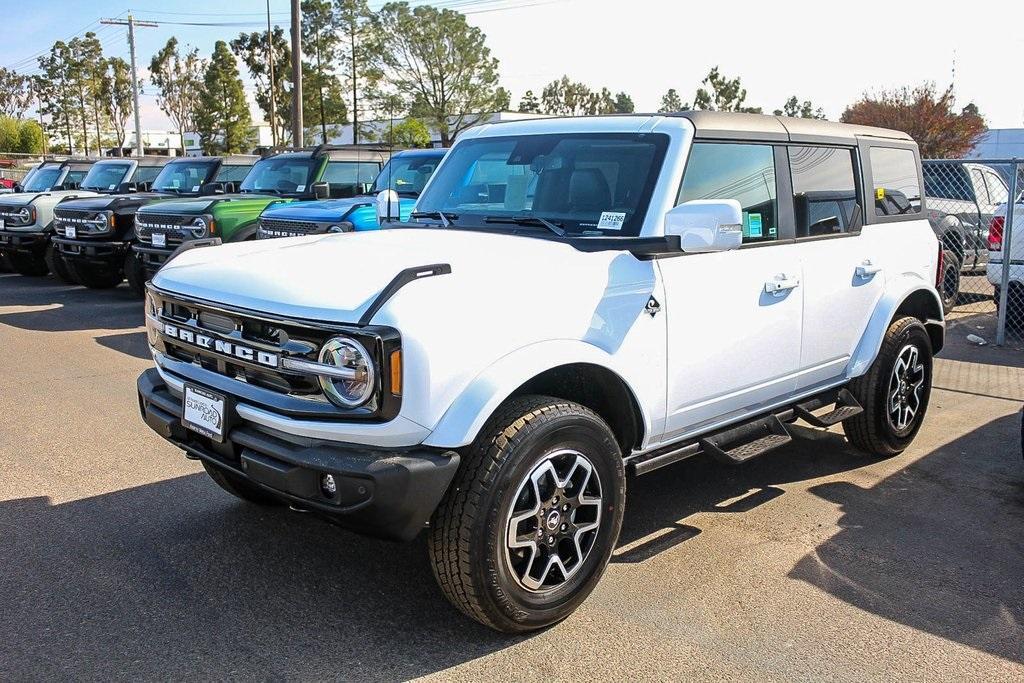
[{"x": 227, "y": 348}]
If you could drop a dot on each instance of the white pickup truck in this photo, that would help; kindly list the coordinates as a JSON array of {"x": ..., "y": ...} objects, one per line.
[
  {"x": 573, "y": 300},
  {"x": 998, "y": 259}
]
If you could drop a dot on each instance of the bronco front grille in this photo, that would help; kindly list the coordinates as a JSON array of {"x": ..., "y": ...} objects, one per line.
[
  {"x": 84, "y": 222},
  {"x": 172, "y": 225},
  {"x": 276, "y": 227}
]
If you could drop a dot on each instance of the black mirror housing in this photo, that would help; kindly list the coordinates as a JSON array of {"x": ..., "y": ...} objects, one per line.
[
  {"x": 211, "y": 188},
  {"x": 321, "y": 190}
]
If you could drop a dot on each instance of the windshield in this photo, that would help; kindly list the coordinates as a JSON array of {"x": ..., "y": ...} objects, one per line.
[
  {"x": 597, "y": 183},
  {"x": 284, "y": 174},
  {"x": 43, "y": 179},
  {"x": 407, "y": 174},
  {"x": 105, "y": 177},
  {"x": 183, "y": 176}
]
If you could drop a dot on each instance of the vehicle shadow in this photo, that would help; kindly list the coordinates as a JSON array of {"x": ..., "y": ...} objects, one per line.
[
  {"x": 938, "y": 546},
  {"x": 176, "y": 579},
  {"x": 53, "y": 306},
  {"x": 128, "y": 343},
  {"x": 659, "y": 504}
]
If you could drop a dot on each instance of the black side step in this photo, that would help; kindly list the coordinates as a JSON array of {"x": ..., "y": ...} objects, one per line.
[
  {"x": 846, "y": 407},
  {"x": 747, "y": 441}
]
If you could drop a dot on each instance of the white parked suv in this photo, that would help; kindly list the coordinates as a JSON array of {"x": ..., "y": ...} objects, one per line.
[
  {"x": 575, "y": 300},
  {"x": 997, "y": 261},
  {"x": 26, "y": 217}
]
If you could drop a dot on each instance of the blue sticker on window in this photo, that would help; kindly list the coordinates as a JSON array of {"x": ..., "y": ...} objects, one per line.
[{"x": 754, "y": 228}]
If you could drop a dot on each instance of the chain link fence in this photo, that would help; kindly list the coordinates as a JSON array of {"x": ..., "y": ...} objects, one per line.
[{"x": 983, "y": 269}]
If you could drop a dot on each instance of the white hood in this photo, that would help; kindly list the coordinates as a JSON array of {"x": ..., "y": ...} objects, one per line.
[{"x": 337, "y": 277}]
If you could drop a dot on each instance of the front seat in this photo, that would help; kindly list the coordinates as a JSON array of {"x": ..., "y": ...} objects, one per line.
[{"x": 589, "y": 191}]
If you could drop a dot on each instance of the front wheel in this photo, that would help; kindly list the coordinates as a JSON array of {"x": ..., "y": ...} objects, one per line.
[
  {"x": 135, "y": 274},
  {"x": 58, "y": 265},
  {"x": 894, "y": 391},
  {"x": 96, "y": 277},
  {"x": 529, "y": 524},
  {"x": 29, "y": 265}
]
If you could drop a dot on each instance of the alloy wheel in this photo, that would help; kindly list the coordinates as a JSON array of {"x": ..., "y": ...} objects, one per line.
[{"x": 905, "y": 384}]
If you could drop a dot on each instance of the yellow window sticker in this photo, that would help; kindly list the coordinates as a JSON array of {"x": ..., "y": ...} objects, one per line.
[{"x": 880, "y": 193}]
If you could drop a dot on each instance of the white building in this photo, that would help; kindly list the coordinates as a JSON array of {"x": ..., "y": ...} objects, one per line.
[{"x": 999, "y": 143}]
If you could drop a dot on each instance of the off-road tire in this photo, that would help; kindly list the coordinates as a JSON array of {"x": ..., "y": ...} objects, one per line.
[
  {"x": 467, "y": 542},
  {"x": 949, "y": 289},
  {"x": 58, "y": 265},
  {"x": 96, "y": 277},
  {"x": 28, "y": 265},
  {"x": 872, "y": 431},
  {"x": 239, "y": 487},
  {"x": 135, "y": 274}
]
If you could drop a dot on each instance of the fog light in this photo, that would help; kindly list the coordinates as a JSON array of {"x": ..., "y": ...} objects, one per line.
[{"x": 328, "y": 485}]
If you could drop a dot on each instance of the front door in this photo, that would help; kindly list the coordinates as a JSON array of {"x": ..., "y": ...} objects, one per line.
[{"x": 733, "y": 318}]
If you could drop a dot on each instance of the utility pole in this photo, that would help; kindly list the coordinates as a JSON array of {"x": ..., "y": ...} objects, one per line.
[
  {"x": 273, "y": 85},
  {"x": 131, "y": 24},
  {"x": 297, "y": 127}
]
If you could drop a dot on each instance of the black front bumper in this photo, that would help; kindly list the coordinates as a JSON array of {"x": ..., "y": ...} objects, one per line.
[
  {"x": 152, "y": 258},
  {"x": 24, "y": 242},
  {"x": 92, "y": 251},
  {"x": 385, "y": 493}
]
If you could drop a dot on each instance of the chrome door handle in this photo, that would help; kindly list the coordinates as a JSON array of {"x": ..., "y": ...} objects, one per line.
[
  {"x": 867, "y": 270},
  {"x": 781, "y": 284}
]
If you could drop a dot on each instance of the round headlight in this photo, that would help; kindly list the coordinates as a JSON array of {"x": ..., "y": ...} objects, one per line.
[
  {"x": 342, "y": 352},
  {"x": 102, "y": 221},
  {"x": 25, "y": 214},
  {"x": 335, "y": 228},
  {"x": 198, "y": 227}
]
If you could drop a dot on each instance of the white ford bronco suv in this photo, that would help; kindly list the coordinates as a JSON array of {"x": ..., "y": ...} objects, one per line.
[{"x": 572, "y": 301}]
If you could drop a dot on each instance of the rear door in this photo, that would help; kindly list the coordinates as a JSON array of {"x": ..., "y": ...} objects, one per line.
[{"x": 843, "y": 267}]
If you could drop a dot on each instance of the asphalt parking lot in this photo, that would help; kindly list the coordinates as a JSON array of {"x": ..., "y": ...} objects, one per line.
[{"x": 119, "y": 559}]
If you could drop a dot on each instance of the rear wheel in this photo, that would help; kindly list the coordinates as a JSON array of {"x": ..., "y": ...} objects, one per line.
[
  {"x": 894, "y": 392},
  {"x": 529, "y": 524},
  {"x": 96, "y": 277},
  {"x": 950, "y": 289},
  {"x": 28, "y": 264},
  {"x": 135, "y": 274},
  {"x": 58, "y": 265},
  {"x": 1014, "y": 305},
  {"x": 239, "y": 487}
]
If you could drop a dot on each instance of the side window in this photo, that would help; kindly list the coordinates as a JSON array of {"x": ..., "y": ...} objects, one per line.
[
  {"x": 981, "y": 188},
  {"x": 742, "y": 172},
  {"x": 824, "y": 190},
  {"x": 897, "y": 186},
  {"x": 998, "y": 192}
]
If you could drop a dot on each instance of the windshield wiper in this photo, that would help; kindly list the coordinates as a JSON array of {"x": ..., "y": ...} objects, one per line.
[
  {"x": 446, "y": 217},
  {"x": 528, "y": 220}
]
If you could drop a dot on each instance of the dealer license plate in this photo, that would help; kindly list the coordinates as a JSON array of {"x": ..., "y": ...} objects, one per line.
[
  {"x": 204, "y": 412},
  {"x": 71, "y": 232},
  {"x": 159, "y": 239}
]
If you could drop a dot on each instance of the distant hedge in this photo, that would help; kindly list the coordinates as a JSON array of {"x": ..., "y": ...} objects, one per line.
[{"x": 21, "y": 136}]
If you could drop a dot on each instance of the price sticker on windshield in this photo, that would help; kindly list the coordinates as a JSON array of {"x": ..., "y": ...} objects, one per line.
[
  {"x": 195, "y": 188},
  {"x": 611, "y": 220},
  {"x": 300, "y": 188}
]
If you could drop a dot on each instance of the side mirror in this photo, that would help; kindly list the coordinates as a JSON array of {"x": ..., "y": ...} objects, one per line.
[
  {"x": 211, "y": 188},
  {"x": 125, "y": 188},
  {"x": 18, "y": 187},
  {"x": 321, "y": 190},
  {"x": 69, "y": 185},
  {"x": 706, "y": 225},
  {"x": 389, "y": 207}
]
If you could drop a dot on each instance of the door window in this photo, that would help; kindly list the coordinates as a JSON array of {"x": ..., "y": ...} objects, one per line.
[
  {"x": 897, "y": 184},
  {"x": 997, "y": 190},
  {"x": 742, "y": 172},
  {"x": 981, "y": 188},
  {"x": 824, "y": 190}
]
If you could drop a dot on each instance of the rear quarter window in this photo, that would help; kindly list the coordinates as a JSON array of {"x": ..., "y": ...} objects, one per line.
[{"x": 897, "y": 186}]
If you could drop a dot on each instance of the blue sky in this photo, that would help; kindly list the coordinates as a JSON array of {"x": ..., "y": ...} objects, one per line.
[{"x": 827, "y": 52}]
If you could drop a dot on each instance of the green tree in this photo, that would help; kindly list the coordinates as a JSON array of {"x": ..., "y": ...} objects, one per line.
[
  {"x": 407, "y": 134},
  {"x": 924, "y": 113},
  {"x": 502, "y": 100},
  {"x": 322, "y": 89},
  {"x": 437, "y": 61},
  {"x": 10, "y": 140},
  {"x": 31, "y": 139},
  {"x": 116, "y": 98},
  {"x": 722, "y": 94},
  {"x": 15, "y": 93},
  {"x": 565, "y": 97},
  {"x": 224, "y": 123},
  {"x": 179, "y": 81},
  {"x": 800, "y": 110},
  {"x": 53, "y": 87},
  {"x": 251, "y": 48},
  {"x": 360, "y": 58},
  {"x": 624, "y": 104},
  {"x": 670, "y": 102},
  {"x": 529, "y": 104},
  {"x": 90, "y": 69}
]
